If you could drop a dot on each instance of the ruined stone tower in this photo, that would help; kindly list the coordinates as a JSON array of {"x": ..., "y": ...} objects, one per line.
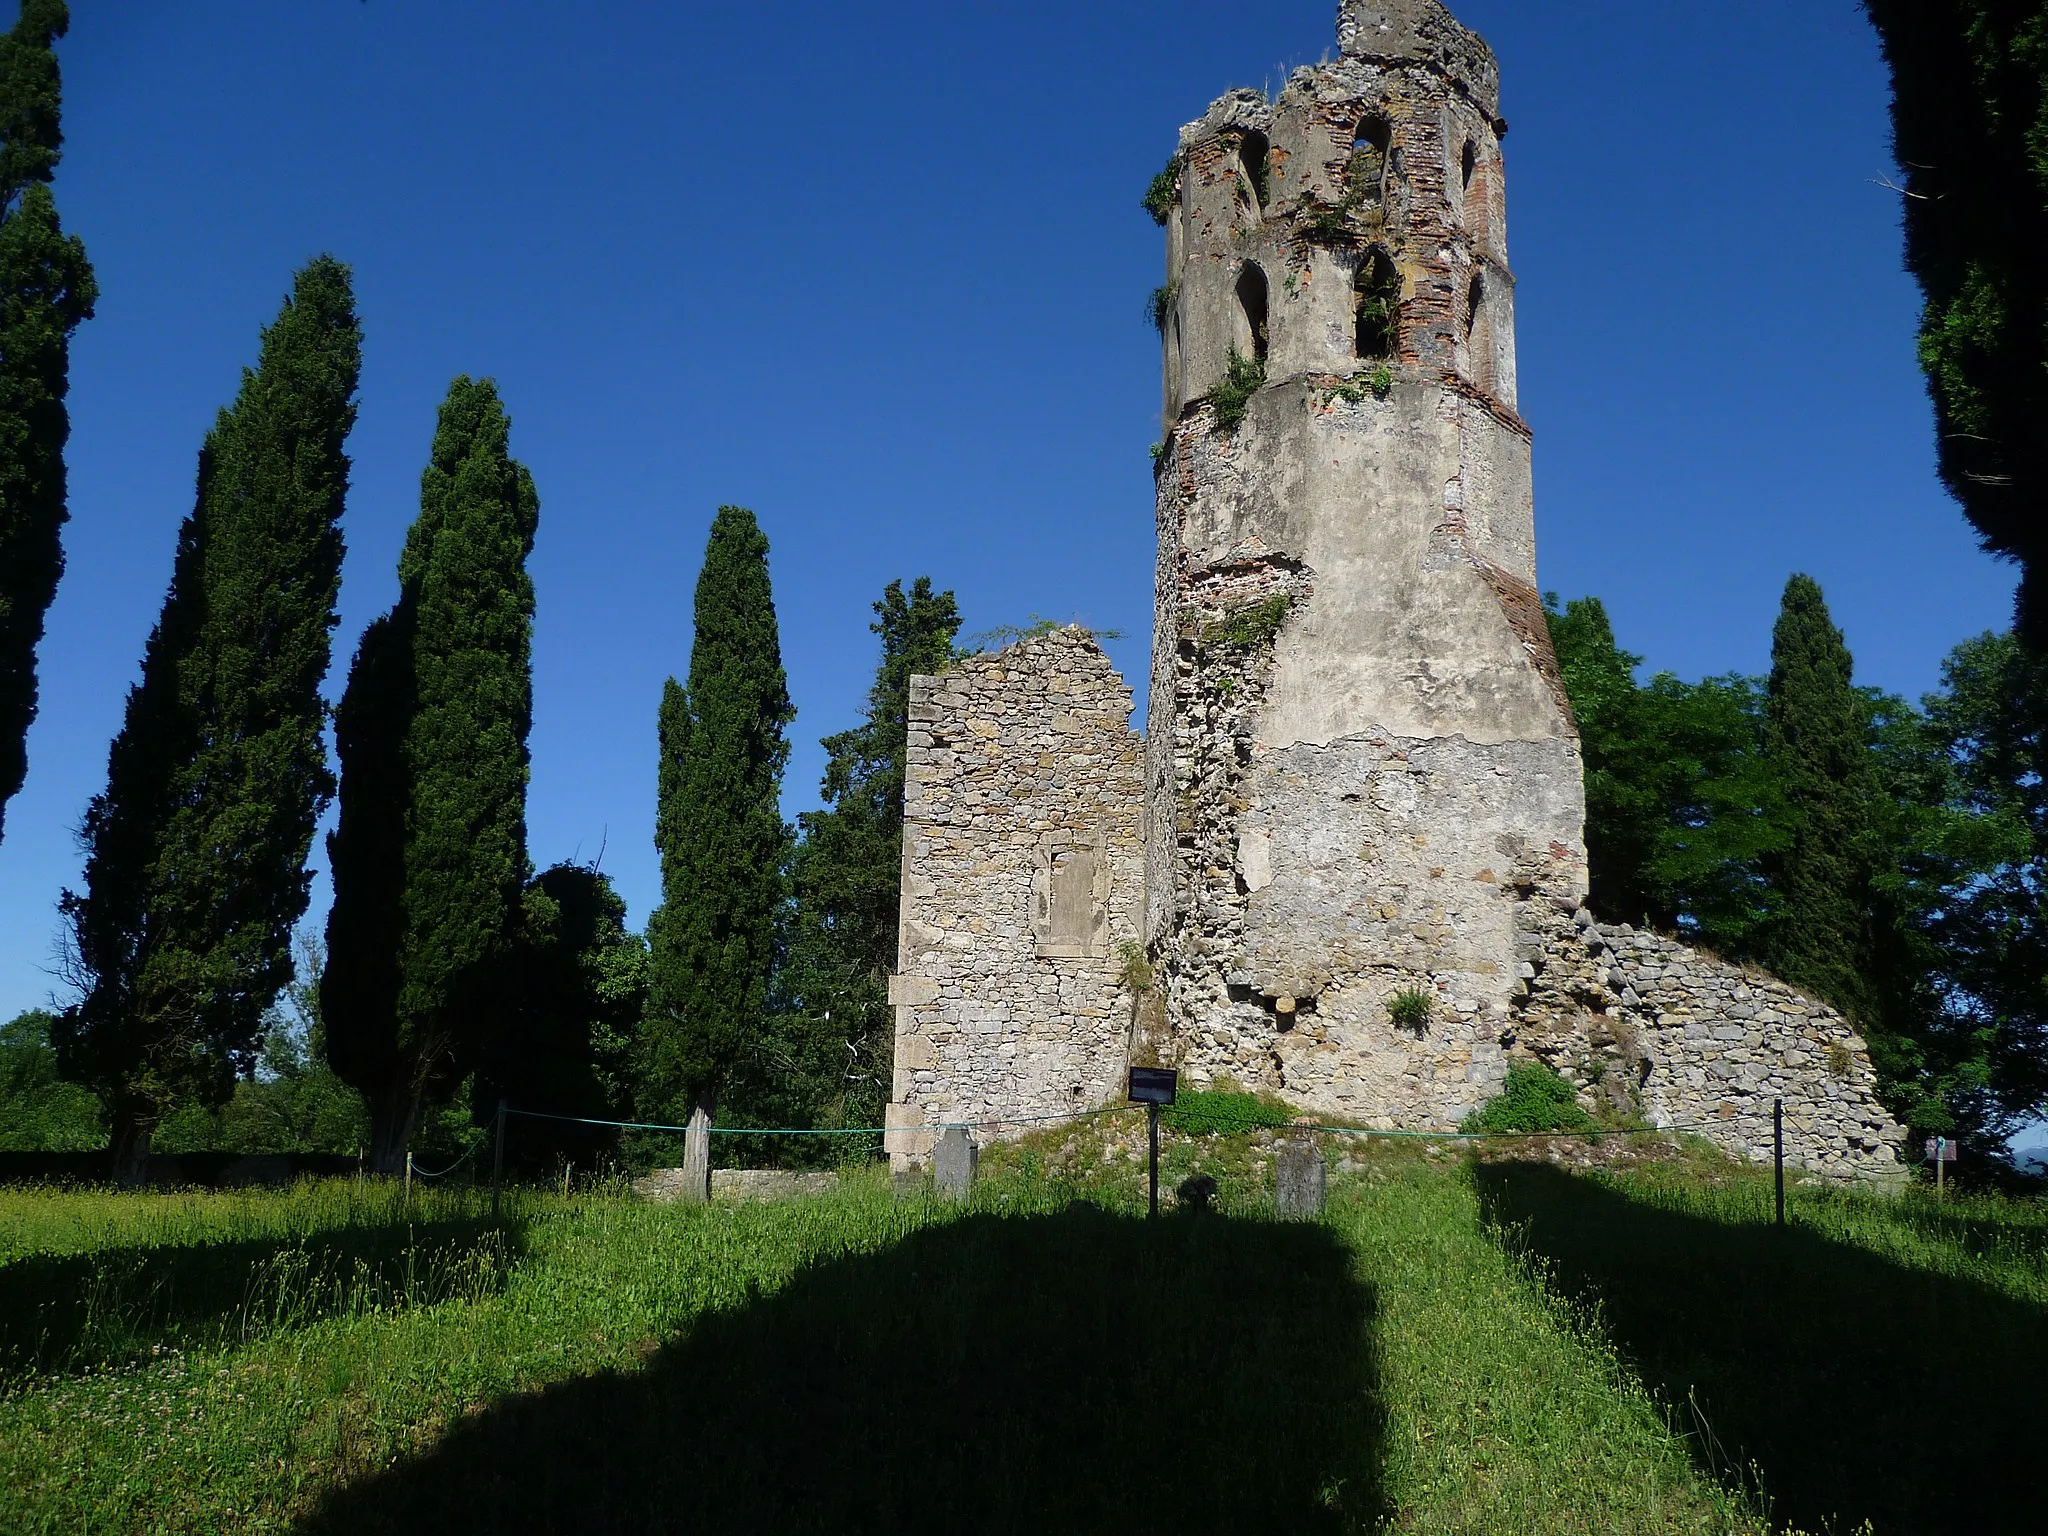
[
  {"x": 1359, "y": 755},
  {"x": 1346, "y": 865}
]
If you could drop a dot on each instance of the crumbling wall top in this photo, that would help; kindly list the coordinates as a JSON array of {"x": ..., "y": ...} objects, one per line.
[{"x": 1421, "y": 31}]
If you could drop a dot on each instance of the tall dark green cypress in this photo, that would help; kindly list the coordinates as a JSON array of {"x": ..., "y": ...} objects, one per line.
[
  {"x": 847, "y": 874},
  {"x": 46, "y": 291},
  {"x": 1970, "y": 133},
  {"x": 429, "y": 857},
  {"x": 719, "y": 831},
  {"x": 1816, "y": 735},
  {"x": 195, "y": 865}
]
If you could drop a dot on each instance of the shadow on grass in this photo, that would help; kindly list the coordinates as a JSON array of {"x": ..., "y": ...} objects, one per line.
[
  {"x": 1072, "y": 1373},
  {"x": 66, "y": 1312},
  {"x": 1855, "y": 1388}
]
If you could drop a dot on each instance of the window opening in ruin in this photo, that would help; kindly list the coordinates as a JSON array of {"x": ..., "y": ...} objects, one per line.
[
  {"x": 1471, "y": 162},
  {"x": 1479, "y": 334},
  {"x": 1251, "y": 302},
  {"x": 1366, "y": 176},
  {"x": 1375, "y": 306},
  {"x": 1254, "y": 156}
]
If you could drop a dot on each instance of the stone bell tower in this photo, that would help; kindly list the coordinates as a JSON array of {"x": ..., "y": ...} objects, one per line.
[{"x": 1360, "y": 764}]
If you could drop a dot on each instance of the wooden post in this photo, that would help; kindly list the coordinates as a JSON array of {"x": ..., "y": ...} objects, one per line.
[
  {"x": 498, "y": 1160},
  {"x": 1940, "y": 1157},
  {"x": 408, "y": 1181},
  {"x": 1778, "y": 1152}
]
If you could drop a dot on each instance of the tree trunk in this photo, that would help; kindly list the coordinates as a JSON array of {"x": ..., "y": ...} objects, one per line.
[
  {"x": 131, "y": 1139},
  {"x": 697, "y": 1149},
  {"x": 394, "y": 1114}
]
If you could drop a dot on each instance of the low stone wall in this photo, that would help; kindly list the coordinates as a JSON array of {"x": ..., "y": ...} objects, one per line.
[
  {"x": 666, "y": 1184},
  {"x": 1645, "y": 1024}
]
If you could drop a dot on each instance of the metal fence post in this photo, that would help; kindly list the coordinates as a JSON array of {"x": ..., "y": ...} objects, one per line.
[
  {"x": 1778, "y": 1152},
  {"x": 1152, "y": 1126}
]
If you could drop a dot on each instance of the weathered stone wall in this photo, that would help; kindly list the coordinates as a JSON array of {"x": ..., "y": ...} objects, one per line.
[
  {"x": 1023, "y": 872},
  {"x": 1356, "y": 725},
  {"x": 1361, "y": 776},
  {"x": 1648, "y": 1026}
]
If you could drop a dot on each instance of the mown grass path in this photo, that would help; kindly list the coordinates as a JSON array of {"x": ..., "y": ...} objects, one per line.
[{"x": 1427, "y": 1360}]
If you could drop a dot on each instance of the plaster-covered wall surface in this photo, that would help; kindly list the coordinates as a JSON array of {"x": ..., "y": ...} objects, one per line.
[
  {"x": 1023, "y": 871},
  {"x": 1358, "y": 739}
]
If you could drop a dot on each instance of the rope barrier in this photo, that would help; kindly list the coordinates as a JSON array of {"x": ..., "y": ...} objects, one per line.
[
  {"x": 856, "y": 1130},
  {"x": 1089, "y": 1114},
  {"x": 466, "y": 1156}
]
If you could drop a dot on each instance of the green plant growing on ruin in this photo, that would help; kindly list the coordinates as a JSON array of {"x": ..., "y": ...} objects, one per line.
[
  {"x": 1222, "y": 1112},
  {"x": 1411, "y": 1007},
  {"x": 1158, "y": 450},
  {"x": 1160, "y": 305},
  {"x": 1361, "y": 387},
  {"x": 1135, "y": 973},
  {"x": 1163, "y": 195},
  {"x": 1840, "y": 1062},
  {"x": 1243, "y": 377},
  {"x": 1534, "y": 1098},
  {"x": 1252, "y": 626},
  {"x": 1002, "y": 636}
]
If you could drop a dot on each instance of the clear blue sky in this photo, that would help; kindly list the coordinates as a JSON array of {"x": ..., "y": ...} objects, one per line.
[{"x": 878, "y": 271}]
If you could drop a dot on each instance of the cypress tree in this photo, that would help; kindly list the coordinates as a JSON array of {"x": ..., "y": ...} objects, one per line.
[
  {"x": 195, "y": 853},
  {"x": 847, "y": 872},
  {"x": 46, "y": 291},
  {"x": 1970, "y": 132},
  {"x": 1815, "y": 733},
  {"x": 429, "y": 857},
  {"x": 720, "y": 834}
]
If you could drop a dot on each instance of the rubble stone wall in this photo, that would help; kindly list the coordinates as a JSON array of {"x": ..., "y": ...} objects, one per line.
[
  {"x": 1646, "y": 1025},
  {"x": 1023, "y": 881}
]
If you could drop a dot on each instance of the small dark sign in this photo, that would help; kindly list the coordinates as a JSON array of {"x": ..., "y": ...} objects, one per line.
[
  {"x": 1940, "y": 1148},
  {"x": 1153, "y": 1085}
]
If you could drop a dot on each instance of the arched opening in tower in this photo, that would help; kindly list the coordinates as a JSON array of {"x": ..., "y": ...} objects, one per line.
[
  {"x": 1251, "y": 306},
  {"x": 1470, "y": 163},
  {"x": 1254, "y": 158},
  {"x": 1375, "y": 306},
  {"x": 1365, "y": 176},
  {"x": 1478, "y": 334}
]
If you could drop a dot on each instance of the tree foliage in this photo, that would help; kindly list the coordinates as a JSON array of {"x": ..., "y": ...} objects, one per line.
[
  {"x": 719, "y": 832},
  {"x": 826, "y": 1057},
  {"x": 1970, "y": 133},
  {"x": 39, "y": 1111},
  {"x": 1822, "y": 934},
  {"x": 46, "y": 291},
  {"x": 195, "y": 852},
  {"x": 1682, "y": 806},
  {"x": 430, "y": 855},
  {"x": 570, "y": 993}
]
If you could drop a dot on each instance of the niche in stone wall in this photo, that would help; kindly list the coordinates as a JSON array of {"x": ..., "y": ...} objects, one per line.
[
  {"x": 1254, "y": 157},
  {"x": 1070, "y": 897},
  {"x": 1251, "y": 312}
]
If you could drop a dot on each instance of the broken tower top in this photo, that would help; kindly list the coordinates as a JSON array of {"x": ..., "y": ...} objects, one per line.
[{"x": 1421, "y": 31}]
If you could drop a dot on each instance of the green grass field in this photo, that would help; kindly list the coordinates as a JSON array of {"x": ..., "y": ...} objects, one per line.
[{"x": 1459, "y": 1347}]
